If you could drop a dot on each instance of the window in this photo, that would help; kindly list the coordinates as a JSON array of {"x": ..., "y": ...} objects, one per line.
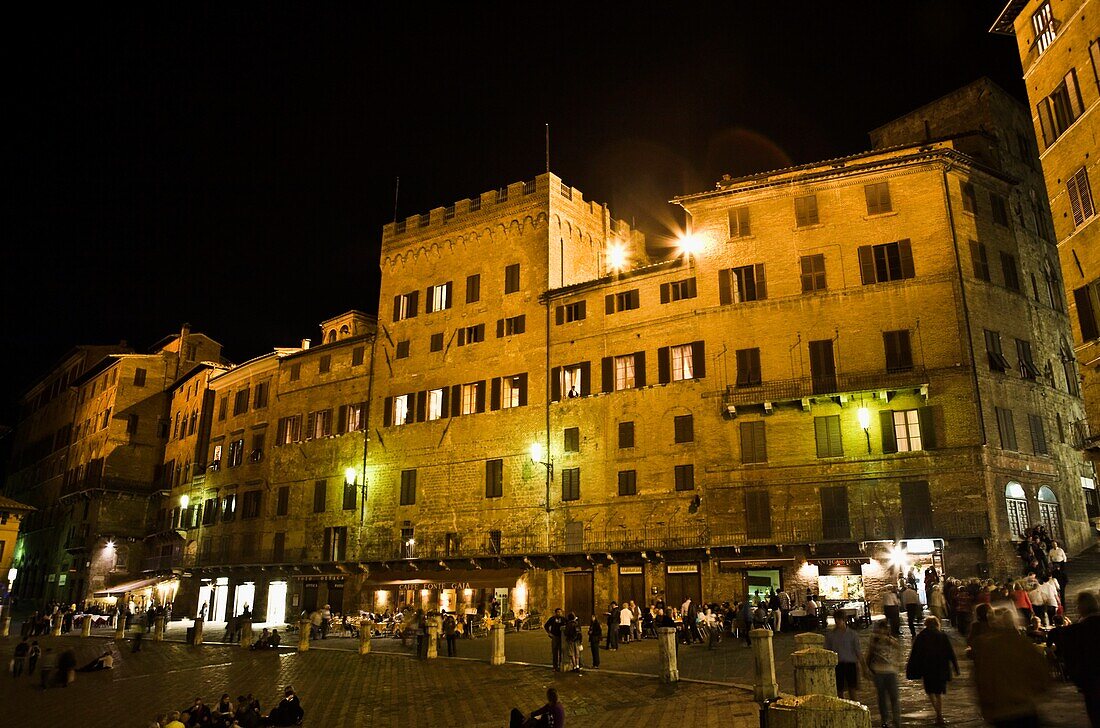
[
  {"x": 739, "y": 222},
  {"x": 350, "y": 497},
  {"x": 320, "y": 424},
  {"x": 1080, "y": 198},
  {"x": 139, "y": 375},
  {"x": 805, "y": 211},
  {"x": 739, "y": 285},
  {"x": 240, "y": 402},
  {"x": 885, "y": 262},
  {"x": 682, "y": 361},
  {"x": 1028, "y": 370},
  {"x": 571, "y": 484},
  {"x": 295, "y": 372},
  {"x": 229, "y": 507},
  {"x": 259, "y": 397},
  {"x": 502, "y": 195},
  {"x": 355, "y": 417},
  {"x": 1010, "y": 271},
  {"x": 827, "y": 432},
  {"x": 1061, "y": 427},
  {"x": 511, "y": 278},
  {"x": 1006, "y": 428},
  {"x": 250, "y": 507},
  {"x": 624, "y": 372},
  {"x": 997, "y": 361},
  {"x": 438, "y": 298},
  {"x": 236, "y": 452},
  {"x": 683, "y": 428},
  {"x": 907, "y": 431},
  {"x": 404, "y": 305},
  {"x": 969, "y": 197},
  {"x": 1059, "y": 110},
  {"x": 569, "y": 312},
  {"x": 223, "y": 408},
  {"x": 979, "y": 261},
  {"x": 209, "y": 512},
  {"x": 131, "y": 425},
  {"x": 758, "y": 514},
  {"x": 402, "y": 410},
  {"x": 436, "y": 403},
  {"x": 899, "y": 351},
  {"x": 622, "y": 301},
  {"x": 571, "y": 439},
  {"x": 684, "y": 477},
  {"x": 678, "y": 290},
  {"x": 878, "y": 198},
  {"x": 324, "y": 364},
  {"x": 472, "y": 398},
  {"x": 572, "y": 380},
  {"x": 1042, "y": 22},
  {"x": 473, "y": 288},
  {"x": 335, "y": 544},
  {"x": 748, "y": 368},
  {"x": 1000, "y": 209},
  {"x": 513, "y": 391},
  {"x": 436, "y": 342},
  {"x": 494, "y": 478},
  {"x": 626, "y": 435},
  {"x": 511, "y": 326},
  {"x": 216, "y": 461},
  {"x": 357, "y": 356},
  {"x": 754, "y": 448},
  {"x": 320, "y": 495},
  {"x": 676, "y": 363},
  {"x": 1038, "y": 435},
  {"x": 402, "y": 351},
  {"x": 408, "y": 542},
  {"x": 835, "y": 522},
  {"x": 1069, "y": 367},
  {"x": 471, "y": 334},
  {"x": 282, "y": 502},
  {"x": 628, "y": 482},
  {"x": 813, "y": 272},
  {"x": 1086, "y": 299}
]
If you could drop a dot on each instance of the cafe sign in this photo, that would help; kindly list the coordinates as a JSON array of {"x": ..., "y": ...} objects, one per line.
[{"x": 435, "y": 585}]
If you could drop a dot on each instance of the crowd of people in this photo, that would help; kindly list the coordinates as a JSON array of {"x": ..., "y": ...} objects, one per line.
[{"x": 244, "y": 712}]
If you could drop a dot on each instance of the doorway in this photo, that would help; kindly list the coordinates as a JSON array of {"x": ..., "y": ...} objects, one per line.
[
  {"x": 759, "y": 583},
  {"x": 336, "y": 597},
  {"x": 682, "y": 582},
  {"x": 212, "y": 600},
  {"x": 276, "y": 602},
  {"x": 244, "y": 596},
  {"x": 578, "y": 594},
  {"x": 632, "y": 585},
  {"x": 822, "y": 366}
]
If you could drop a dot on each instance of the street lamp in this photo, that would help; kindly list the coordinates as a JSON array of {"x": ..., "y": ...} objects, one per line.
[
  {"x": 350, "y": 476},
  {"x": 617, "y": 257},
  {"x": 864, "y": 416},
  {"x": 690, "y": 245}
]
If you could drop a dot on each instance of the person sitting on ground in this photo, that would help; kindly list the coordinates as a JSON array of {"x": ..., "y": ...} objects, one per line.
[
  {"x": 106, "y": 661},
  {"x": 247, "y": 714},
  {"x": 275, "y": 640},
  {"x": 224, "y": 710},
  {"x": 288, "y": 712},
  {"x": 199, "y": 714},
  {"x": 551, "y": 715},
  {"x": 263, "y": 641},
  {"x": 174, "y": 720}
]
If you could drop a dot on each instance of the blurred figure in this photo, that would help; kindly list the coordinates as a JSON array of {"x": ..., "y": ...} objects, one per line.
[
  {"x": 1010, "y": 675},
  {"x": 931, "y": 660},
  {"x": 1079, "y": 645},
  {"x": 981, "y": 623},
  {"x": 883, "y": 662},
  {"x": 891, "y": 607}
]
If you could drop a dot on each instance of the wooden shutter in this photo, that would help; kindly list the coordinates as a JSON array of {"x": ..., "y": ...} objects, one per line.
[
  {"x": 607, "y": 367},
  {"x": 397, "y": 308},
  {"x": 445, "y": 405},
  {"x": 500, "y": 328},
  {"x": 555, "y": 384},
  {"x": 479, "y": 400},
  {"x": 462, "y": 337},
  {"x": 520, "y": 325},
  {"x": 342, "y": 420},
  {"x": 456, "y": 400},
  {"x": 327, "y": 548},
  {"x": 927, "y": 420},
  {"x": 698, "y": 360},
  {"x": 639, "y": 369},
  {"x": 664, "y": 365},
  {"x": 311, "y": 423},
  {"x": 586, "y": 379},
  {"x": 821, "y": 436},
  {"x": 725, "y": 295},
  {"x": 905, "y": 252},
  {"x": 450, "y": 287},
  {"x": 559, "y": 315},
  {"x": 581, "y": 314},
  {"x": 387, "y": 412},
  {"x": 761, "y": 282},
  {"x": 1086, "y": 316},
  {"x": 609, "y": 304},
  {"x": 1043, "y": 109},
  {"x": 414, "y": 298},
  {"x": 866, "y": 265},
  {"x": 1074, "y": 95},
  {"x": 522, "y": 383},
  {"x": 666, "y": 293},
  {"x": 421, "y": 406},
  {"x": 889, "y": 438},
  {"x": 494, "y": 394},
  {"x": 429, "y": 299}
]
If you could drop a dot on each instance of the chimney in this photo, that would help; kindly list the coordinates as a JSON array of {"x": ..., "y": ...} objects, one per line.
[{"x": 305, "y": 343}]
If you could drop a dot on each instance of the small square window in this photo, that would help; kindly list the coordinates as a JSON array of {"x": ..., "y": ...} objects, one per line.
[
  {"x": 325, "y": 364},
  {"x": 628, "y": 482},
  {"x": 402, "y": 350},
  {"x": 684, "y": 428},
  {"x": 685, "y": 477},
  {"x": 572, "y": 436},
  {"x": 437, "y": 342},
  {"x": 805, "y": 211},
  {"x": 626, "y": 435},
  {"x": 511, "y": 278}
]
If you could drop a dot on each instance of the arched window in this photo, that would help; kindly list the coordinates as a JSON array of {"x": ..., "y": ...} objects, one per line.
[
  {"x": 332, "y": 336},
  {"x": 1050, "y": 514},
  {"x": 344, "y": 331},
  {"x": 1016, "y": 501}
]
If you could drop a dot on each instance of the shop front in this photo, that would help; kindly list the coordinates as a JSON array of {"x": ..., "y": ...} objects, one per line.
[
  {"x": 759, "y": 577},
  {"x": 468, "y": 592},
  {"x": 138, "y": 596}
]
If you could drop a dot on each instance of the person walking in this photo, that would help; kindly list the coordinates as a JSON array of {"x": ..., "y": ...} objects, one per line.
[
  {"x": 595, "y": 632},
  {"x": 910, "y": 602},
  {"x": 20, "y": 658},
  {"x": 784, "y": 610},
  {"x": 930, "y": 660},
  {"x": 613, "y": 627},
  {"x": 553, "y": 628},
  {"x": 883, "y": 661},
  {"x": 845, "y": 643},
  {"x": 625, "y": 618},
  {"x": 33, "y": 654},
  {"x": 1010, "y": 675},
  {"x": 449, "y": 632},
  {"x": 891, "y": 608},
  {"x": 1079, "y": 645},
  {"x": 937, "y": 605}
]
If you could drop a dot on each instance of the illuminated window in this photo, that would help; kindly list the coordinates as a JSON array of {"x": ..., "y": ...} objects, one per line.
[
  {"x": 236, "y": 452},
  {"x": 469, "y": 398},
  {"x": 511, "y": 392},
  {"x": 355, "y": 415},
  {"x": 400, "y": 409},
  {"x": 1042, "y": 22},
  {"x": 907, "y": 430},
  {"x": 439, "y": 297},
  {"x": 216, "y": 463},
  {"x": 320, "y": 423},
  {"x": 682, "y": 362},
  {"x": 289, "y": 429},
  {"x": 435, "y": 404},
  {"x": 572, "y": 383},
  {"x": 624, "y": 372},
  {"x": 405, "y": 305}
]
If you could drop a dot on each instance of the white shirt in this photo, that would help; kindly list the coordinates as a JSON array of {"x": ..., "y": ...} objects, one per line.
[
  {"x": 890, "y": 599},
  {"x": 625, "y": 615},
  {"x": 1057, "y": 555}
]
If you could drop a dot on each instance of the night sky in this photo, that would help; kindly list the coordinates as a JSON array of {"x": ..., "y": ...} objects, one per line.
[{"x": 232, "y": 166}]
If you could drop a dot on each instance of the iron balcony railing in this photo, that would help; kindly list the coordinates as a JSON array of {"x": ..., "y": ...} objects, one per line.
[{"x": 785, "y": 390}]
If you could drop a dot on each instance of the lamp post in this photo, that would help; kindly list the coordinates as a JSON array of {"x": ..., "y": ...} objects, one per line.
[
  {"x": 5, "y": 608},
  {"x": 537, "y": 454},
  {"x": 864, "y": 416}
]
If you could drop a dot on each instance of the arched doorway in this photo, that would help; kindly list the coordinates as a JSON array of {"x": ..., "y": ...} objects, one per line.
[
  {"x": 1050, "y": 515},
  {"x": 1016, "y": 501}
]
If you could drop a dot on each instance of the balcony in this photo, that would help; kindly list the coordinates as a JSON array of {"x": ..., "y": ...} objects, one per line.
[
  {"x": 799, "y": 388},
  {"x": 1084, "y": 438}
]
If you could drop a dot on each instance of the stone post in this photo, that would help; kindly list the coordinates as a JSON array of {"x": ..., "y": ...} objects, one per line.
[
  {"x": 802, "y": 640},
  {"x": 158, "y": 628},
  {"x": 303, "y": 635},
  {"x": 814, "y": 671},
  {"x": 433, "y": 638},
  {"x": 666, "y": 647},
  {"x": 365, "y": 630},
  {"x": 496, "y": 637},
  {"x": 764, "y": 685},
  {"x": 817, "y": 711},
  {"x": 5, "y": 620},
  {"x": 120, "y": 628},
  {"x": 86, "y": 626},
  {"x": 55, "y": 626},
  {"x": 199, "y": 624},
  {"x": 246, "y": 633}
]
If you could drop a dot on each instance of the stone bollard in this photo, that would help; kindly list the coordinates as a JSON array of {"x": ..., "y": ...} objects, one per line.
[
  {"x": 158, "y": 629},
  {"x": 802, "y": 640},
  {"x": 120, "y": 628},
  {"x": 764, "y": 685},
  {"x": 365, "y": 630},
  {"x": 246, "y": 633},
  {"x": 666, "y": 647},
  {"x": 86, "y": 626},
  {"x": 814, "y": 671},
  {"x": 5, "y": 621},
  {"x": 433, "y": 638},
  {"x": 199, "y": 625},
  {"x": 817, "y": 711},
  {"x": 55, "y": 627},
  {"x": 303, "y": 635},
  {"x": 496, "y": 643}
]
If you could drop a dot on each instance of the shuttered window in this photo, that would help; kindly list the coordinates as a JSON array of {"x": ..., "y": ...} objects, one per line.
[
  {"x": 813, "y": 272},
  {"x": 320, "y": 495},
  {"x": 571, "y": 484},
  {"x": 494, "y": 478},
  {"x": 1010, "y": 271},
  {"x": 402, "y": 351},
  {"x": 571, "y": 439},
  {"x": 1059, "y": 110},
  {"x": 739, "y": 222},
  {"x": 805, "y": 211},
  {"x": 899, "y": 351},
  {"x": 979, "y": 260},
  {"x": 436, "y": 343},
  {"x": 1080, "y": 197},
  {"x": 997, "y": 360},
  {"x": 827, "y": 434},
  {"x": 408, "y": 487},
  {"x": 626, "y": 435},
  {"x": 748, "y": 368},
  {"x": 628, "y": 482},
  {"x": 754, "y": 448},
  {"x": 885, "y": 262},
  {"x": 282, "y": 503},
  {"x": 834, "y": 512},
  {"x": 878, "y": 198},
  {"x": 684, "y": 428},
  {"x": 1038, "y": 435},
  {"x": 758, "y": 514},
  {"x": 969, "y": 198},
  {"x": 1085, "y": 299},
  {"x": 742, "y": 284},
  {"x": 684, "y": 477},
  {"x": 1007, "y": 428},
  {"x": 678, "y": 290},
  {"x": 473, "y": 288},
  {"x": 622, "y": 301},
  {"x": 1028, "y": 370},
  {"x": 511, "y": 278}
]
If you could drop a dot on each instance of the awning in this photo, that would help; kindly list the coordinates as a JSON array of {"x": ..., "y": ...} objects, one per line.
[
  {"x": 128, "y": 586},
  {"x": 452, "y": 579}
]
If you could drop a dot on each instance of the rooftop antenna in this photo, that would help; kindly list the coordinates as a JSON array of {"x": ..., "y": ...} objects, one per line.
[
  {"x": 548, "y": 148},
  {"x": 396, "y": 190}
]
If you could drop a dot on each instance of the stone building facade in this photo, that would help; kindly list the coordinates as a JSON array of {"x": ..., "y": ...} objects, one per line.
[{"x": 1059, "y": 48}]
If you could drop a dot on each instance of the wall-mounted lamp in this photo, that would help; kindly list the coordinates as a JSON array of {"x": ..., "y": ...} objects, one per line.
[{"x": 864, "y": 416}]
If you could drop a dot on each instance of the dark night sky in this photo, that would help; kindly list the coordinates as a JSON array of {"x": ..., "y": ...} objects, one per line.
[{"x": 232, "y": 166}]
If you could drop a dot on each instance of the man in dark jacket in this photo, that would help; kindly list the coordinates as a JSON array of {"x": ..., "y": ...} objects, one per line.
[
  {"x": 613, "y": 627},
  {"x": 1079, "y": 645},
  {"x": 553, "y": 628},
  {"x": 288, "y": 712}
]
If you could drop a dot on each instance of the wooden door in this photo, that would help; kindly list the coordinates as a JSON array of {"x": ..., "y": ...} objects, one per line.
[
  {"x": 632, "y": 588},
  {"x": 822, "y": 366},
  {"x": 578, "y": 595},
  {"x": 680, "y": 586}
]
